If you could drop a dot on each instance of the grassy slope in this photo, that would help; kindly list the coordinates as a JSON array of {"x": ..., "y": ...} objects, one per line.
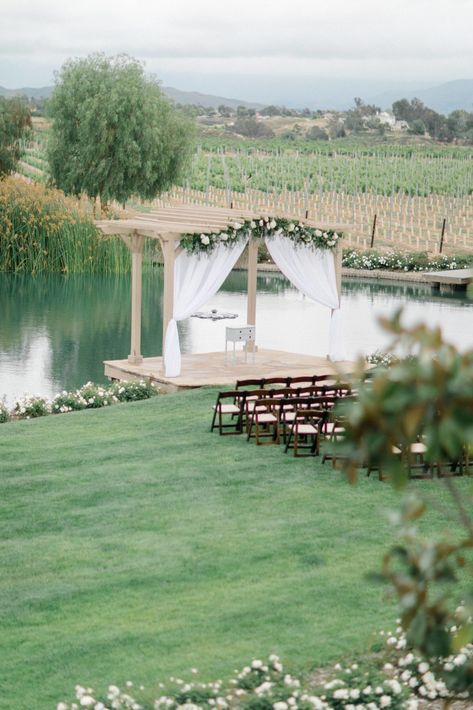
[{"x": 134, "y": 544}]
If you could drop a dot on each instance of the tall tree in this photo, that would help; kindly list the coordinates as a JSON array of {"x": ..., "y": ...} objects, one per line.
[
  {"x": 114, "y": 134},
  {"x": 15, "y": 121}
]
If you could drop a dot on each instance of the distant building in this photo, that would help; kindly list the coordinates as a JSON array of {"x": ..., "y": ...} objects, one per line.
[
  {"x": 401, "y": 126},
  {"x": 386, "y": 118}
]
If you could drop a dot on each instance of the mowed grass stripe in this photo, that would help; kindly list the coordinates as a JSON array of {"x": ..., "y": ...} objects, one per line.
[{"x": 135, "y": 545}]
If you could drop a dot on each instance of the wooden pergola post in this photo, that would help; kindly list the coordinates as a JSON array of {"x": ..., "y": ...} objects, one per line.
[
  {"x": 135, "y": 243},
  {"x": 337, "y": 255},
  {"x": 169, "y": 254},
  {"x": 252, "y": 276}
]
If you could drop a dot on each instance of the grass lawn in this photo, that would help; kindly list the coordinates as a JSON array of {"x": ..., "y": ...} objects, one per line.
[{"x": 136, "y": 545}]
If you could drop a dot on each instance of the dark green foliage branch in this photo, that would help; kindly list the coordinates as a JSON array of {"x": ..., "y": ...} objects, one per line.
[
  {"x": 429, "y": 397},
  {"x": 114, "y": 135},
  {"x": 15, "y": 122}
]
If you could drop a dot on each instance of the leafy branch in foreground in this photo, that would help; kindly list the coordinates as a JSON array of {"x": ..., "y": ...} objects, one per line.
[{"x": 423, "y": 399}]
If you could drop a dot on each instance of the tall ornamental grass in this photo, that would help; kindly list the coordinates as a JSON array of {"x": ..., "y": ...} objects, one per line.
[{"x": 42, "y": 230}]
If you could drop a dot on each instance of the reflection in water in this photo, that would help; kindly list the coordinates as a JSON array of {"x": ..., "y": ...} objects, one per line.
[{"x": 56, "y": 330}]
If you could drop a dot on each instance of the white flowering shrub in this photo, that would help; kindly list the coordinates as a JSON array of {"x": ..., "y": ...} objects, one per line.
[
  {"x": 402, "y": 261},
  {"x": 31, "y": 408},
  {"x": 433, "y": 678},
  {"x": 381, "y": 358},
  {"x": 355, "y": 688},
  {"x": 68, "y": 402},
  {"x": 90, "y": 396},
  {"x": 96, "y": 396},
  {"x": 4, "y": 413},
  {"x": 264, "y": 685},
  {"x": 132, "y": 391}
]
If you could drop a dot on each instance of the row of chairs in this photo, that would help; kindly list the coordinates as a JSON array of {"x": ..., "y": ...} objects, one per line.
[{"x": 299, "y": 416}]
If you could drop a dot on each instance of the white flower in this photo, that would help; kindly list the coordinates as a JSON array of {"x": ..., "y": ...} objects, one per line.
[
  {"x": 385, "y": 701},
  {"x": 204, "y": 239},
  {"x": 354, "y": 694},
  {"x": 261, "y": 223},
  {"x": 396, "y": 687},
  {"x": 272, "y": 224},
  {"x": 291, "y": 227},
  {"x": 423, "y": 667},
  {"x": 237, "y": 226},
  {"x": 318, "y": 233},
  {"x": 87, "y": 701},
  {"x": 341, "y": 694},
  {"x": 280, "y": 706},
  {"x": 256, "y": 663},
  {"x": 252, "y": 224},
  {"x": 62, "y": 706},
  {"x": 460, "y": 659}
]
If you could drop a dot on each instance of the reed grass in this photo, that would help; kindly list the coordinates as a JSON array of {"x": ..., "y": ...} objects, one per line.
[{"x": 42, "y": 230}]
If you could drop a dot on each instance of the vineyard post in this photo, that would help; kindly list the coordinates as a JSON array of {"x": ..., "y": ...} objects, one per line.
[
  {"x": 373, "y": 231},
  {"x": 444, "y": 223}
]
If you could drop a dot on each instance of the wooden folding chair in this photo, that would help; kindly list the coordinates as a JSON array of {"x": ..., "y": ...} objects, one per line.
[
  {"x": 301, "y": 380},
  {"x": 276, "y": 382},
  {"x": 287, "y": 412},
  {"x": 250, "y": 384},
  {"x": 251, "y": 398},
  {"x": 229, "y": 404},
  {"x": 265, "y": 421},
  {"x": 334, "y": 432},
  {"x": 304, "y": 433}
]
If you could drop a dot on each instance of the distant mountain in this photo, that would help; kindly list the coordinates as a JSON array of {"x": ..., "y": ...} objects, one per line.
[
  {"x": 195, "y": 97},
  {"x": 180, "y": 97},
  {"x": 32, "y": 93},
  {"x": 443, "y": 98}
]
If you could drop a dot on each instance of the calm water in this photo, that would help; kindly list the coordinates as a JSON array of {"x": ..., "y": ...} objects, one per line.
[{"x": 56, "y": 330}]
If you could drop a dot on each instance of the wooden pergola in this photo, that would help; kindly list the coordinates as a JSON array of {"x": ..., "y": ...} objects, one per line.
[{"x": 168, "y": 225}]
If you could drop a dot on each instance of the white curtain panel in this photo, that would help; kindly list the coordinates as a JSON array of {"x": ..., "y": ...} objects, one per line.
[
  {"x": 197, "y": 277},
  {"x": 312, "y": 271}
]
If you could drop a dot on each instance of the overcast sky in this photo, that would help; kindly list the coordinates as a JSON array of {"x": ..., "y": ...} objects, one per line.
[{"x": 244, "y": 46}]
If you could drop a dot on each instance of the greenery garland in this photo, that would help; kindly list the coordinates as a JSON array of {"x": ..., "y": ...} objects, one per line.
[{"x": 301, "y": 235}]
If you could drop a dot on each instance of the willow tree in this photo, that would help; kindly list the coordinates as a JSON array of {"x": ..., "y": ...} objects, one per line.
[
  {"x": 114, "y": 134},
  {"x": 15, "y": 122}
]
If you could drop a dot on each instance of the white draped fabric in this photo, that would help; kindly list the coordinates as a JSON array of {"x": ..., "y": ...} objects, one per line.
[
  {"x": 312, "y": 271},
  {"x": 197, "y": 277}
]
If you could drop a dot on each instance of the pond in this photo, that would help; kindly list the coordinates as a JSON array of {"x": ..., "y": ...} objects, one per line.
[{"x": 56, "y": 330}]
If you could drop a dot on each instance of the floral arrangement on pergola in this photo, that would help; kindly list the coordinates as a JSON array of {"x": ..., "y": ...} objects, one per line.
[{"x": 300, "y": 234}]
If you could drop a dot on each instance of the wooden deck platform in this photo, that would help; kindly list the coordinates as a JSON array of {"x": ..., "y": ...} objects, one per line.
[
  {"x": 453, "y": 279},
  {"x": 207, "y": 369}
]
